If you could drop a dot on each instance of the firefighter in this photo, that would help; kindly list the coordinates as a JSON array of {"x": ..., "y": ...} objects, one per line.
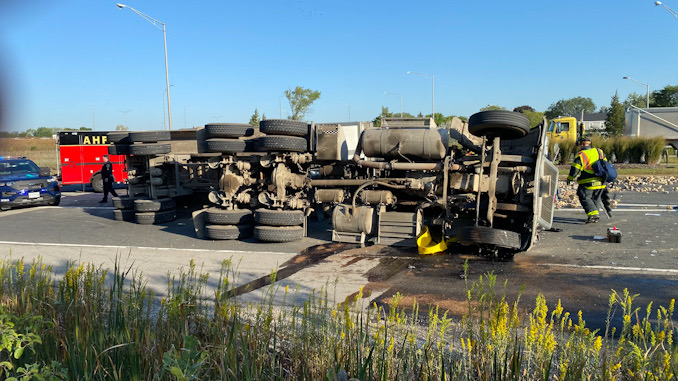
[
  {"x": 590, "y": 187},
  {"x": 107, "y": 177}
]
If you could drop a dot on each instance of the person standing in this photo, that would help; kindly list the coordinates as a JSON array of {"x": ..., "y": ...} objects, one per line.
[
  {"x": 591, "y": 187},
  {"x": 107, "y": 177}
]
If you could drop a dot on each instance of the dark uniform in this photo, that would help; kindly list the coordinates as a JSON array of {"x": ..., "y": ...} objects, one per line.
[
  {"x": 591, "y": 187},
  {"x": 107, "y": 177}
]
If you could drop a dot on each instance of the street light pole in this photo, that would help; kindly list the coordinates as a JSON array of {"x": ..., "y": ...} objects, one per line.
[
  {"x": 281, "y": 97},
  {"x": 401, "y": 101},
  {"x": 164, "y": 124},
  {"x": 125, "y": 112},
  {"x": 433, "y": 91},
  {"x": 164, "y": 36},
  {"x": 671, "y": 11},
  {"x": 647, "y": 88}
]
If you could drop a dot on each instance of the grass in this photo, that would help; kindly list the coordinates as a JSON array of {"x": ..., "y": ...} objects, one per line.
[
  {"x": 92, "y": 325},
  {"x": 42, "y": 151}
]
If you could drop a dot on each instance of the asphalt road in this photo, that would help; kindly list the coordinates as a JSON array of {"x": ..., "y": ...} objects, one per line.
[{"x": 573, "y": 265}]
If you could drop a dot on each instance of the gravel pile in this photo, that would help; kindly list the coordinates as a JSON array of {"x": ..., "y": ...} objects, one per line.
[{"x": 567, "y": 194}]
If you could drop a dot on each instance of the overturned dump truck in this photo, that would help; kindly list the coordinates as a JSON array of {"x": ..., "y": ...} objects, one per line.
[{"x": 486, "y": 184}]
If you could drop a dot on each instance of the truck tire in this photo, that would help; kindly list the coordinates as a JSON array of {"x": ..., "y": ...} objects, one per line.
[
  {"x": 118, "y": 137},
  {"x": 149, "y": 136},
  {"x": 154, "y": 205},
  {"x": 149, "y": 218},
  {"x": 97, "y": 183},
  {"x": 149, "y": 149},
  {"x": 486, "y": 236},
  {"x": 283, "y": 127},
  {"x": 507, "y": 125},
  {"x": 123, "y": 203},
  {"x": 134, "y": 179},
  {"x": 55, "y": 201},
  {"x": 278, "y": 233},
  {"x": 251, "y": 145},
  {"x": 230, "y": 130},
  {"x": 225, "y": 145},
  {"x": 229, "y": 231},
  {"x": 124, "y": 215},
  {"x": 218, "y": 216},
  {"x": 118, "y": 149},
  {"x": 282, "y": 144},
  {"x": 272, "y": 217}
]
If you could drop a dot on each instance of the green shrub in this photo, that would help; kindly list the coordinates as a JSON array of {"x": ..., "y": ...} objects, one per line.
[
  {"x": 620, "y": 148},
  {"x": 567, "y": 151},
  {"x": 604, "y": 143},
  {"x": 652, "y": 149},
  {"x": 100, "y": 329}
]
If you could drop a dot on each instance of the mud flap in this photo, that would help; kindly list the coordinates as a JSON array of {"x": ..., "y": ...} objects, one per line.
[{"x": 199, "y": 217}]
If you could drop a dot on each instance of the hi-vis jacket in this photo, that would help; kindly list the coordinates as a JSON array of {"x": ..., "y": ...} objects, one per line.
[{"x": 582, "y": 164}]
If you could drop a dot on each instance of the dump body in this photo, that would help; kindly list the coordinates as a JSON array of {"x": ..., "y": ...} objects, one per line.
[{"x": 653, "y": 122}]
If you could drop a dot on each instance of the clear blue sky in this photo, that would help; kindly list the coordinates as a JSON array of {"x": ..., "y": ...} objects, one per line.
[{"x": 63, "y": 62}]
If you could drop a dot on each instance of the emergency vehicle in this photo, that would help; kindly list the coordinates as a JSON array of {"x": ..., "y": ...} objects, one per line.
[
  {"x": 81, "y": 155},
  {"x": 23, "y": 183}
]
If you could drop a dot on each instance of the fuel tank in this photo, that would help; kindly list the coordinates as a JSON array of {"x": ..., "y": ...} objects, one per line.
[{"x": 423, "y": 143}]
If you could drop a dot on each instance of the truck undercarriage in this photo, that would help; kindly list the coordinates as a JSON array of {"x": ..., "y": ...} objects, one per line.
[{"x": 381, "y": 185}]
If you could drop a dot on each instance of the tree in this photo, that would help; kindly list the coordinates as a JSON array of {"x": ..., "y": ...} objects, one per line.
[
  {"x": 570, "y": 107},
  {"x": 666, "y": 97},
  {"x": 635, "y": 99},
  {"x": 523, "y": 109},
  {"x": 45, "y": 132},
  {"x": 255, "y": 119},
  {"x": 300, "y": 100},
  {"x": 120, "y": 127},
  {"x": 492, "y": 108},
  {"x": 384, "y": 114},
  {"x": 614, "y": 124},
  {"x": 441, "y": 119},
  {"x": 263, "y": 116},
  {"x": 535, "y": 117}
]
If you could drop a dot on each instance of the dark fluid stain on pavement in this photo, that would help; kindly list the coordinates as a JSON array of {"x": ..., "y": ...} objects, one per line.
[
  {"x": 387, "y": 268},
  {"x": 307, "y": 257},
  {"x": 440, "y": 282}
]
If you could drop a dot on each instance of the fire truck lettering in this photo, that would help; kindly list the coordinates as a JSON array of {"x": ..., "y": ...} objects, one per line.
[{"x": 95, "y": 140}]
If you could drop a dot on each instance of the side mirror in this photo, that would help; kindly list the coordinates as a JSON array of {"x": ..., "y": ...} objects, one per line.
[{"x": 44, "y": 171}]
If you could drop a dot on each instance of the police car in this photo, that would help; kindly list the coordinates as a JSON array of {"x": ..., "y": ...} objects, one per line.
[{"x": 23, "y": 183}]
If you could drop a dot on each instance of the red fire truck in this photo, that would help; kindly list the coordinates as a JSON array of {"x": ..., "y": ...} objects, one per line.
[{"x": 81, "y": 155}]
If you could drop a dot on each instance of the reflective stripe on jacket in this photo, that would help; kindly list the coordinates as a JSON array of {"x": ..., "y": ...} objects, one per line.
[{"x": 582, "y": 166}]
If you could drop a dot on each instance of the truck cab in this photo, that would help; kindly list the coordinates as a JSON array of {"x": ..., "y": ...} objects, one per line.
[{"x": 565, "y": 129}]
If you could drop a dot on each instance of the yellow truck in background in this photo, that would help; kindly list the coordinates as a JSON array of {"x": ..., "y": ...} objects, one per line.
[{"x": 564, "y": 129}]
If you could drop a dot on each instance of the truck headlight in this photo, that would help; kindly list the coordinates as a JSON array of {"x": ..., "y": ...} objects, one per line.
[{"x": 7, "y": 184}]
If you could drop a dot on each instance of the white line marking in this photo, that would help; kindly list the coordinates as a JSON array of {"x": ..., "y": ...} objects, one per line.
[
  {"x": 138, "y": 247},
  {"x": 653, "y": 205},
  {"x": 640, "y": 269},
  {"x": 85, "y": 207},
  {"x": 615, "y": 210}
]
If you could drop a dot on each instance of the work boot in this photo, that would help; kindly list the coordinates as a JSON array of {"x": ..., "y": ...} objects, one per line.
[{"x": 592, "y": 220}]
